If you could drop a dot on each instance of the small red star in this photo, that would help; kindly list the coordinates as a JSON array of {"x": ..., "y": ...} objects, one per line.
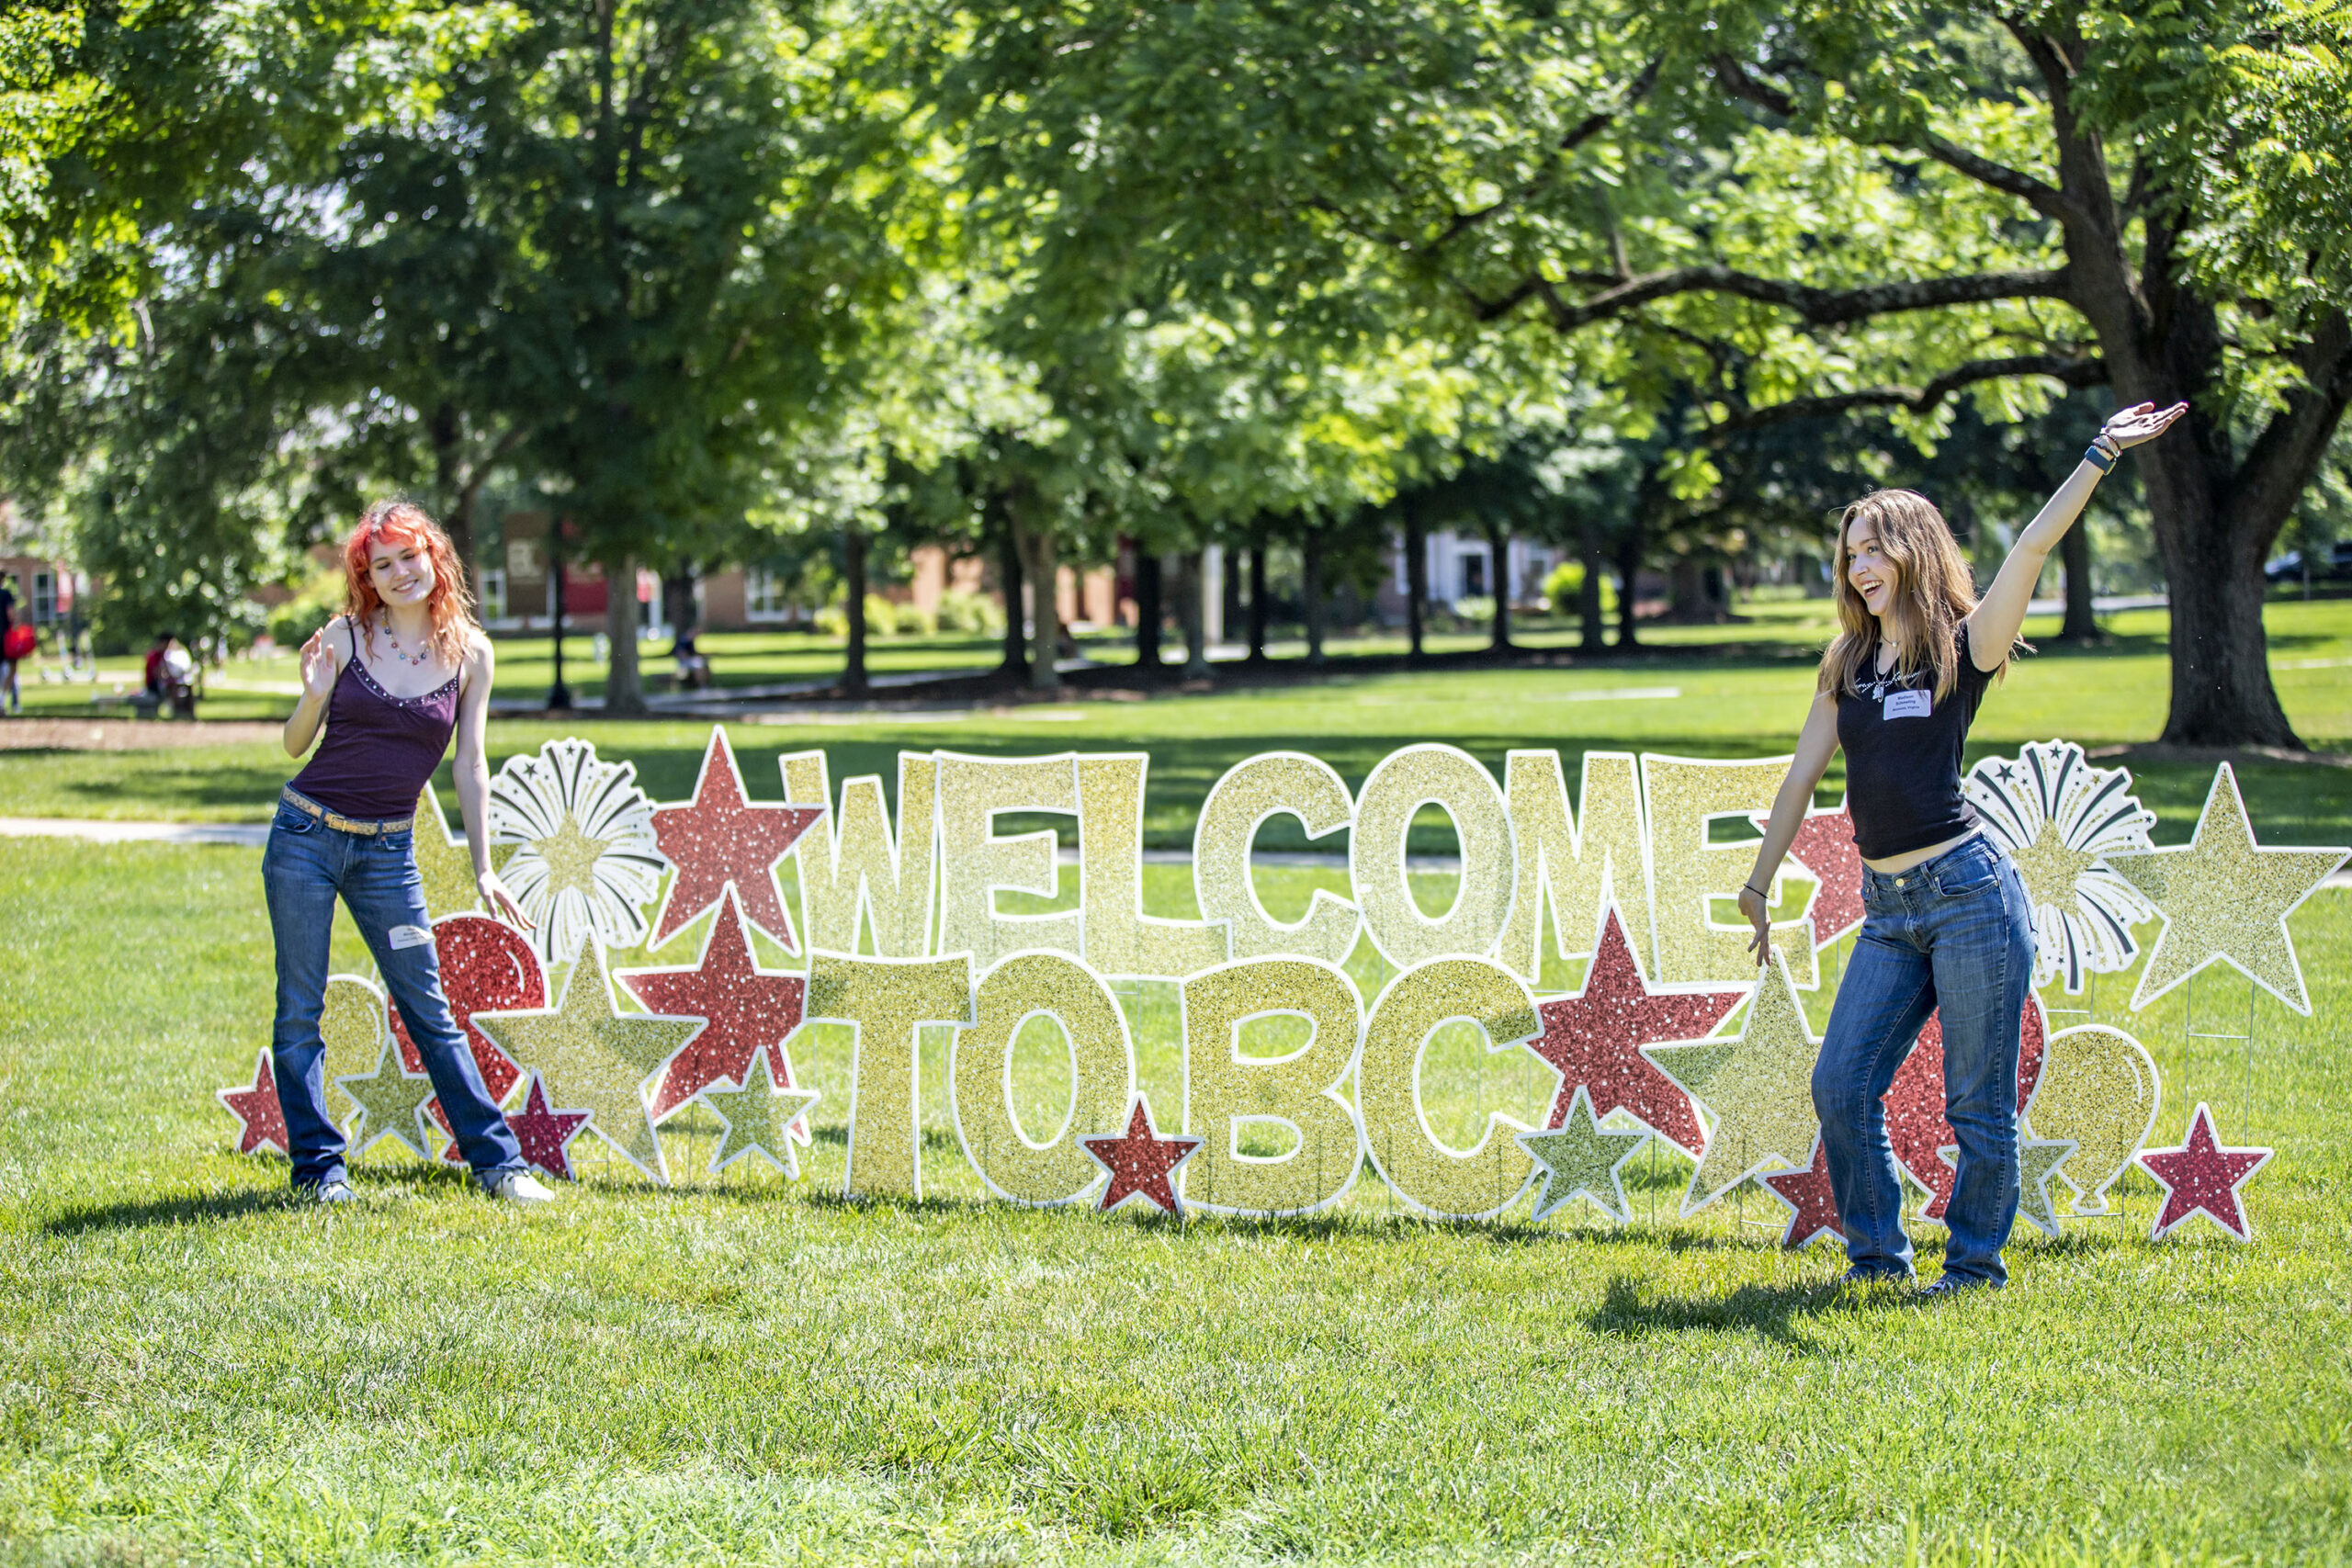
[
  {"x": 2202, "y": 1177},
  {"x": 262, "y": 1121},
  {"x": 1825, "y": 846},
  {"x": 544, "y": 1134},
  {"x": 1594, "y": 1039},
  {"x": 720, "y": 840},
  {"x": 1916, "y": 1125},
  {"x": 748, "y": 1009},
  {"x": 1813, "y": 1208},
  {"x": 1141, "y": 1162}
]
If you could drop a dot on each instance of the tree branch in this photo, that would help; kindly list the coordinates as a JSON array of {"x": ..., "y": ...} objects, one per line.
[
  {"x": 1819, "y": 307},
  {"x": 1579, "y": 134},
  {"x": 2282, "y": 459},
  {"x": 2073, "y": 371}
]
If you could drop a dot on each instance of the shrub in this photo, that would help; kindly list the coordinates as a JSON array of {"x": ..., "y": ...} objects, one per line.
[
  {"x": 316, "y": 603},
  {"x": 1564, "y": 589},
  {"x": 975, "y": 614}
]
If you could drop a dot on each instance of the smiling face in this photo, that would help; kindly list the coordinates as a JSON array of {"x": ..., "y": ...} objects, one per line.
[
  {"x": 400, "y": 570},
  {"x": 1873, "y": 576}
]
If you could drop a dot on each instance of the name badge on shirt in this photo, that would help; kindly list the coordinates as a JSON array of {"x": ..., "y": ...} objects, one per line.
[{"x": 1908, "y": 705}]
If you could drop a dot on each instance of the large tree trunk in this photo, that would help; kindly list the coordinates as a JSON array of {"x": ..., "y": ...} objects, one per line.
[
  {"x": 1149, "y": 611},
  {"x": 1498, "y": 559},
  {"x": 1041, "y": 567},
  {"x": 1194, "y": 613},
  {"x": 2075, "y": 553},
  {"x": 1593, "y": 637},
  {"x": 1015, "y": 662},
  {"x": 624, "y": 688},
  {"x": 1417, "y": 576},
  {"x": 1311, "y": 592},
  {"x": 854, "y": 586},
  {"x": 1258, "y": 601},
  {"x": 1629, "y": 572}
]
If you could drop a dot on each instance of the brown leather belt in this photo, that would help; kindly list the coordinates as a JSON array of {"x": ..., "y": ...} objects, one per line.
[{"x": 337, "y": 821}]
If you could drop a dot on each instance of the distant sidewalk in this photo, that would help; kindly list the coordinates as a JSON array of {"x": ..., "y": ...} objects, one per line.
[{"x": 253, "y": 835}]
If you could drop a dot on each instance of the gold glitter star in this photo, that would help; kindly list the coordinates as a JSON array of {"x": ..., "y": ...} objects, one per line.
[
  {"x": 2038, "y": 1161},
  {"x": 595, "y": 1057},
  {"x": 2050, "y": 867},
  {"x": 757, "y": 1117},
  {"x": 1759, "y": 1087},
  {"x": 571, "y": 856},
  {"x": 353, "y": 1028},
  {"x": 443, "y": 862},
  {"x": 1579, "y": 1160},
  {"x": 2225, "y": 897},
  {"x": 389, "y": 1100}
]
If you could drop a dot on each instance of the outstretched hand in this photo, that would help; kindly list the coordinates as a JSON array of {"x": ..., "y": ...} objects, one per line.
[
  {"x": 2140, "y": 423},
  {"x": 318, "y": 665}
]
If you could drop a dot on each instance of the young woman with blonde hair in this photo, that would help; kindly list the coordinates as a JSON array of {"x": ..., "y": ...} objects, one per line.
[
  {"x": 394, "y": 676},
  {"x": 1947, "y": 930}
]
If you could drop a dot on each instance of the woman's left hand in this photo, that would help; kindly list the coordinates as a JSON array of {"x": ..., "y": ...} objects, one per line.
[
  {"x": 499, "y": 902},
  {"x": 2139, "y": 423}
]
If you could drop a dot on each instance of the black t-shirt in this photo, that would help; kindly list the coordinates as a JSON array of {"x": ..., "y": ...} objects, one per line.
[{"x": 1902, "y": 753}]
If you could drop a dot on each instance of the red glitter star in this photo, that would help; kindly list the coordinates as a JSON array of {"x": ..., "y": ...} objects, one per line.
[
  {"x": 1825, "y": 846},
  {"x": 2202, "y": 1177},
  {"x": 546, "y": 1135},
  {"x": 719, "y": 840},
  {"x": 748, "y": 1008},
  {"x": 1595, "y": 1038},
  {"x": 1141, "y": 1162},
  {"x": 1915, "y": 1103},
  {"x": 262, "y": 1121},
  {"x": 1813, "y": 1208}
]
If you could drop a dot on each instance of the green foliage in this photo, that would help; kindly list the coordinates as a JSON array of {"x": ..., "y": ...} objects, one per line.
[{"x": 318, "y": 600}]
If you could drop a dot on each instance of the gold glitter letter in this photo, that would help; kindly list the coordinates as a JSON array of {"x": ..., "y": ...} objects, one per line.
[
  {"x": 1251, "y": 791},
  {"x": 851, "y": 858},
  {"x": 1224, "y": 1088},
  {"x": 885, "y": 999},
  {"x": 1399, "y": 787},
  {"x": 1120, "y": 938},
  {"x": 974, "y": 862},
  {"x": 1577, "y": 861},
  {"x": 980, "y": 1076},
  {"x": 1685, "y": 795},
  {"x": 1432, "y": 1178}
]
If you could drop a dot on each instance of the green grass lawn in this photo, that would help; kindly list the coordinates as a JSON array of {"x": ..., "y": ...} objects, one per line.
[
  {"x": 735, "y": 1371},
  {"x": 1696, "y": 701},
  {"x": 739, "y": 1371}
]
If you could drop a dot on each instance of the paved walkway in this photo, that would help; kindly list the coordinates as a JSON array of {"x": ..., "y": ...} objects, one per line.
[{"x": 254, "y": 834}]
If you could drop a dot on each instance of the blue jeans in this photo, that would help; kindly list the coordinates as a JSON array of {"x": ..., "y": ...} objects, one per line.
[
  {"x": 1953, "y": 934},
  {"x": 306, "y": 864}
]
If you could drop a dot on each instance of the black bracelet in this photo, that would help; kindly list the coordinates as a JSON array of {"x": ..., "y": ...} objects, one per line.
[{"x": 1751, "y": 888}]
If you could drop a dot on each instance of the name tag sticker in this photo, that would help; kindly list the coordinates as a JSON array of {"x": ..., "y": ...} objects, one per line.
[
  {"x": 410, "y": 936},
  {"x": 1908, "y": 705}
]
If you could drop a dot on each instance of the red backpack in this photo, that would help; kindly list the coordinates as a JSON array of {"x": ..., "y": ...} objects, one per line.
[{"x": 18, "y": 643}]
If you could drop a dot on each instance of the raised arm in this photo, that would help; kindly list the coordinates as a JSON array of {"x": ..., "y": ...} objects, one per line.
[
  {"x": 1816, "y": 743},
  {"x": 321, "y": 665},
  {"x": 471, "y": 765},
  {"x": 2000, "y": 615}
]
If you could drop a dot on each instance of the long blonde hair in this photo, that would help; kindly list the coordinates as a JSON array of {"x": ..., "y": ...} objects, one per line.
[{"x": 1933, "y": 592}]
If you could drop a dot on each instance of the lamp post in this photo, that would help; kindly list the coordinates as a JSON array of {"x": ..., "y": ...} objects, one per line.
[{"x": 558, "y": 695}]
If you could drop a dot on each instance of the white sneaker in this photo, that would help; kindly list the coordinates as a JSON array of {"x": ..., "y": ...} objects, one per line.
[{"x": 515, "y": 1186}]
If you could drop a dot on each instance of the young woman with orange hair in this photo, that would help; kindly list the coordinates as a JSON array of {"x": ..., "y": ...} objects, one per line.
[
  {"x": 394, "y": 676},
  {"x": 1947, "y": 927}
]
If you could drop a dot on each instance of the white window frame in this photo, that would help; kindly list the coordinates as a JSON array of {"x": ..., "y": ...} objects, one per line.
[
  {"x": 762, "y": 596},
  {"x": 493, "y": 593},
  {"x": 43, "y": 607}
]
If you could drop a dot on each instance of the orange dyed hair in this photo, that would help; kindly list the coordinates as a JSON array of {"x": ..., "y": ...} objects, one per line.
[{"x": 451, "y": 602}]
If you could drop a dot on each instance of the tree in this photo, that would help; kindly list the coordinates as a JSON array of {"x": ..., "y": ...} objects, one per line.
[{"x": 1660, "y": 176}]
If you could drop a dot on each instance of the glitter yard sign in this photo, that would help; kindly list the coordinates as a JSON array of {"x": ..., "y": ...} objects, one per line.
[{"x": 923, "y": 908}]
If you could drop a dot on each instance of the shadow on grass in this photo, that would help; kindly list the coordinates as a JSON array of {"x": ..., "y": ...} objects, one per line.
[
  {"x": 187, "y": 1209},
  {"x": 1771, "y": 1311}
]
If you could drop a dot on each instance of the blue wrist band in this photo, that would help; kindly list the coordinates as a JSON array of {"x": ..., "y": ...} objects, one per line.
[{"x": 2099, "y": 460}]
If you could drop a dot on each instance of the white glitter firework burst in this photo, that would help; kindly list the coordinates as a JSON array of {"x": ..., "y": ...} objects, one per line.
[
  {"x": 586, "y": 860},
  {"x": 2058, "y": 816}
]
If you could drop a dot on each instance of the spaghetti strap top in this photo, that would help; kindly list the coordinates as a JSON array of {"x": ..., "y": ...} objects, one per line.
[{"x": 379, "y": 749}]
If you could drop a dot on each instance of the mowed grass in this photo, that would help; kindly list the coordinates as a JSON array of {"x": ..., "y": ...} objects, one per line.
[
  {"x": 1693, "y": 701},
  {"x": 739, "y": 1371}
]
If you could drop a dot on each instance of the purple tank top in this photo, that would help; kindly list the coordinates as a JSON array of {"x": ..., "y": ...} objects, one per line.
[{"x": 379, "y": 748}]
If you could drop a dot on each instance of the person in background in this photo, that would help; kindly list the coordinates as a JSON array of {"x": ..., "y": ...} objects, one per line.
[
  {"x": 10, "y": 655},
  {"x": 395, "y": 677}
]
